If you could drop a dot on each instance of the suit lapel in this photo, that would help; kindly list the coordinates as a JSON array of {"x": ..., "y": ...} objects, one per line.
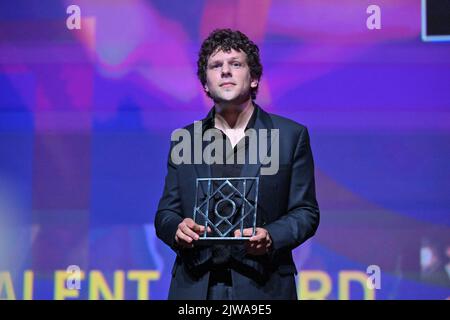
[
  {"x": 203, "y": 170},
  {"x": 263, "y": 121}
]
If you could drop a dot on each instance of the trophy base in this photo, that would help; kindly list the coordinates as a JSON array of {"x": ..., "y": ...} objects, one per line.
[{"x": 220, "y": 241}]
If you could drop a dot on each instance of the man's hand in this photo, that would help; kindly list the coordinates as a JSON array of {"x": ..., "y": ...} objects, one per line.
[
  {"x": 258, "y": 244},
  {"x": 187, "y": 232}
]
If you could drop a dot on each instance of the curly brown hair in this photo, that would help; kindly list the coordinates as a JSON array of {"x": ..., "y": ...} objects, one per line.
[{"x": 227, "y": 39}]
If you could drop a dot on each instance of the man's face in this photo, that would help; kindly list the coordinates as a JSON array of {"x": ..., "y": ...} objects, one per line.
[{"x": 228, "y": 77}]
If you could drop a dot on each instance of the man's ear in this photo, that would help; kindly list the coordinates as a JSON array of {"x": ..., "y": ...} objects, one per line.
[
  {"x": 254, "y": 83},
  {"x": 206, "y": 88}
]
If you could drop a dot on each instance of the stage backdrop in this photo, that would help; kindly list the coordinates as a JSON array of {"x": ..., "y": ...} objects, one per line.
[{"x": 87, "y": 108}]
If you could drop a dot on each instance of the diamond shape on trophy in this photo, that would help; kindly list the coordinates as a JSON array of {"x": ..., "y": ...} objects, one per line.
[{"x": 225, "y": 205}]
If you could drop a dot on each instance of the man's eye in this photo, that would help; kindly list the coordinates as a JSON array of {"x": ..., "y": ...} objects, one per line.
[
  {"x": 215, "y": 66},
  {"x": 236, "y": 64}
]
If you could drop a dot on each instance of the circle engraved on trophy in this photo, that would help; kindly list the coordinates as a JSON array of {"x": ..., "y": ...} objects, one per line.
[{"x": 222, "y": 215}]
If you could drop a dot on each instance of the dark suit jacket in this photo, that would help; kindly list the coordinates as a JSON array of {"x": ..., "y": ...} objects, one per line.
[{"x": 287, "y": 208}]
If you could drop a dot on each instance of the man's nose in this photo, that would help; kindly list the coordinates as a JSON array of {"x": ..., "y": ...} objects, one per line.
[{"x": 226, "y": 70}]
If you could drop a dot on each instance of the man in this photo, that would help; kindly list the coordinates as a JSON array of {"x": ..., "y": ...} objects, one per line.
[{"x": 229, "y": 69}]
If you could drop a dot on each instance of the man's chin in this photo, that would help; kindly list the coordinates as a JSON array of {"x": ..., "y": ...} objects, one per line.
[
  {"x": 230, "y": 100},
  {"x": 226, "y": 98}
]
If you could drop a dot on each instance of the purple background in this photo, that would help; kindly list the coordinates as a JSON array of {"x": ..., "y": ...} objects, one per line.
[{"x": 86, "y": 117}]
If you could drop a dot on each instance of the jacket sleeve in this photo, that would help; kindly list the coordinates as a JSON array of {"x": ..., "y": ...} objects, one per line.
[
  {"x": 302, "y": 218},
  {"x": 169, "y": 215}
]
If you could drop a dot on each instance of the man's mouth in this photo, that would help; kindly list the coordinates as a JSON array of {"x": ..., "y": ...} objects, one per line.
[{"x": 227, "y": 84}]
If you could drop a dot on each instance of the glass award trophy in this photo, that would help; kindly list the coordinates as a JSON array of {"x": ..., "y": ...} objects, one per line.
[{"x": 225, "y": 205}]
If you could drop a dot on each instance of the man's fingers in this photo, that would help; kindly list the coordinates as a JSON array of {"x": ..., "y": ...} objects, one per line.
[
  {"x": 189, "y": 222},
  {"x": 259, "y": 243},
  {"x": 198, "y": 228},
  {"x": 260, "y": 234},
  {"x": 188, "y": 232},
  {"x": 247, "y": 232},
  {"x": 257, "y": 238},
  {"x": 202, "y": 231},
  {"x": 183, "y": 239},
  {"x": 260, "y": 246}
]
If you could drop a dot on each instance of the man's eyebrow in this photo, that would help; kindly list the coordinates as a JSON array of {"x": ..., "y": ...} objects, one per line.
[{"x": 229, "y": 59}]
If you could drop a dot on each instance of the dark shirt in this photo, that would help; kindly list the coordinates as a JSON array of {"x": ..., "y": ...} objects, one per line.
[{"x": 222, "y": 253}]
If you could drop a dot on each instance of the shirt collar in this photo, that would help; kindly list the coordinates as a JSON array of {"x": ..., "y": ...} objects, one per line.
[{"x": 210, "y": 119}]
